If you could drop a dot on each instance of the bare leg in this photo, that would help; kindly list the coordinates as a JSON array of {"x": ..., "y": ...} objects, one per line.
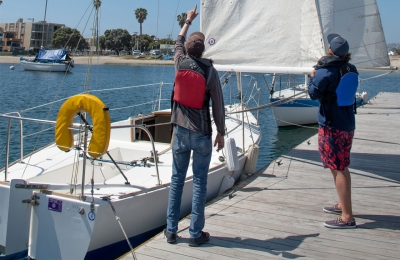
[{"x": 343, "y": 187}]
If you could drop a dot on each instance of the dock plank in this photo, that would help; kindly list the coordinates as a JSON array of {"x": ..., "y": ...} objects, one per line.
[{"x": 277, "y": 212}]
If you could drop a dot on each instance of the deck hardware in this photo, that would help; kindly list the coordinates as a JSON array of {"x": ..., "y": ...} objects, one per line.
[
  {"x": 81, "y": 211},
  {"x": 152, "y": 156},
  {"x": 106, "y": 198},
  {"x": 231, "y": 194},
  {"x": 32, "y": 186},
  {"x": 33, "y": 200}
]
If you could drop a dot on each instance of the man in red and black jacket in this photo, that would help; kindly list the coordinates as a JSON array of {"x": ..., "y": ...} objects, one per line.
[{"x": 196, "y": 83}]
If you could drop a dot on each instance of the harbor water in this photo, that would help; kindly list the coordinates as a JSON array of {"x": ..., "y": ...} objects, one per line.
[{"x": 25, "y": 92}]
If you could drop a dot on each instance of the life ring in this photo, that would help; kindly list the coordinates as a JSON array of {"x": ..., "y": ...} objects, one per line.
[{"x": 101, "y": 123}]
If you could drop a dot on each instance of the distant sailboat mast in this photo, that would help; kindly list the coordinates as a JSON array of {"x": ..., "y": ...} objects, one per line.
[{"x": 44, "y": 22}]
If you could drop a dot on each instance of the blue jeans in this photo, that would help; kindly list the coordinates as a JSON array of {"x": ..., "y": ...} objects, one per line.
[{"x": 184, "y": 142}]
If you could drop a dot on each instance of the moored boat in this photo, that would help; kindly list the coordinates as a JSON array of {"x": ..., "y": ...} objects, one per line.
[{"x": 50, "y": 61}]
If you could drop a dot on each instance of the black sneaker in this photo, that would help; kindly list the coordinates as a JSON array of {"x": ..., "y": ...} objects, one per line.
[
  {"x": 333, "y": 210},
  {"x": 339, "y": 223},
  {"x": 171, "y": 238},
  {"x": 204, "y": 238}
]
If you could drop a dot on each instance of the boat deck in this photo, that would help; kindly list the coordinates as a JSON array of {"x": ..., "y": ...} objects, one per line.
[{"x": 278, "y": 212}]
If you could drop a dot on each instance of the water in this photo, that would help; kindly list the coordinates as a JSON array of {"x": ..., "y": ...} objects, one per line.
[{"x": 20, "y": 90}]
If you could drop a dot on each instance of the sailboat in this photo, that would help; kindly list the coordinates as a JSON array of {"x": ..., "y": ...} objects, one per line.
[
  {"x": 284, "y": 39},
  {"x": 102, "y": 187},
  {"x": 48, "y": 60}
]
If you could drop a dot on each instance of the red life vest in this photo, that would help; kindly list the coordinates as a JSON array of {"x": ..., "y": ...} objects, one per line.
[{"x": 190, "y": 88}]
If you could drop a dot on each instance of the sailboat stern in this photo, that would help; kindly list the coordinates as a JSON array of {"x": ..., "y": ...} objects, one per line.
[
  {"x": 61, "y": 227},
  {"x": 15, "y": 211}
]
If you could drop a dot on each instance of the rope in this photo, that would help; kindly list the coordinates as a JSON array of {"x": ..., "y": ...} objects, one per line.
[
  {"x": 50, "y": 103},
  {"x": 122, "y": 88},
  {"x": 293, "y": 124},
  {"x": 50, "y": 128},
  {"x": 150, "y": 102},
  {"x": 279, "y": 102},
  {"x": 378, "y": 76},
  {"x": 122, "y": 228}
]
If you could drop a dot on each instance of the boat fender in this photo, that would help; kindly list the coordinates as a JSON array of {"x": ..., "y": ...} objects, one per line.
[
  {"x": 226, "y": 184},
  {"x": 230, "y": 151},
  {"x": 364, "y": 97},
  {"x": 101, "y": 123},
  {"x": 252, "y": 157}
]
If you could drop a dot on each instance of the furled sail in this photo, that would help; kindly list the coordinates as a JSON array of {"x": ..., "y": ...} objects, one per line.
[{"x": 290, "y": 33}]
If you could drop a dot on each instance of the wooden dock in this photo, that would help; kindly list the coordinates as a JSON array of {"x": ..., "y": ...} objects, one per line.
[{"x": 277, "y": 213}]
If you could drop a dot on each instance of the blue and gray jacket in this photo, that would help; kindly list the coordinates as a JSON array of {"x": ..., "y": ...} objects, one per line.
[{"x": 323, "y": 87}]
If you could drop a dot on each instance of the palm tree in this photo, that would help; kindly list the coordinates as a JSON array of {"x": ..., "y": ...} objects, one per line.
[
  {"x": 182, "y": 19},
  {"x": 141, "y": 15}
]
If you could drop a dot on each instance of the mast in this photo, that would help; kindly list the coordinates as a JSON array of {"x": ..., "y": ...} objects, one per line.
[
  {"x": 44, "y": 22},
  {"x": 97, "y": 4}
]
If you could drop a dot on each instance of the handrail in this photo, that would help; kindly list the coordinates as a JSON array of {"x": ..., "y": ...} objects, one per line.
[
  {"x": 152, "y": 144},
  {"x": 76, "y": 127},
  {"x": 8, "y": 143}
]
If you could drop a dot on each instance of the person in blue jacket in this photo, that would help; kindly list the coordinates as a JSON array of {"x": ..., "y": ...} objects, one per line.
[{"x": 336, "y": 122}]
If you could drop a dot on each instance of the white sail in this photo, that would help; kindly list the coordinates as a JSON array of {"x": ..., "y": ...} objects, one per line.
[
  {"x": 290, "y": 33},
  {"x": 262, "y": 33},
  {"x": 359, "y": 22}
]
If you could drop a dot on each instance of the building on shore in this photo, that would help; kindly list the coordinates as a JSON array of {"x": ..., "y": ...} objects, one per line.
[
  {"x": 28, "y": 35},
  {"x": 1, "y": 39}
]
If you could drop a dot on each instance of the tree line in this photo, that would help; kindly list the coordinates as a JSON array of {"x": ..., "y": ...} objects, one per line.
[{"x": 114, "y": 39}]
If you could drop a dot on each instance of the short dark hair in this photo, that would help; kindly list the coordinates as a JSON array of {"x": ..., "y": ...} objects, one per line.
[{"x": 195, "y": 44}]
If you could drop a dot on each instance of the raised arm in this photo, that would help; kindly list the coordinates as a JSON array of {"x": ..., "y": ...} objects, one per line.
[{"x": 191, "y": 15}]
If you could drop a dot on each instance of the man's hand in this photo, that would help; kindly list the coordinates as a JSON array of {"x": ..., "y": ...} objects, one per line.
[
  {"x": 192, "y": 14},
  {"x": 219, "y": 139},
  {"x": 313, "y": 73}
]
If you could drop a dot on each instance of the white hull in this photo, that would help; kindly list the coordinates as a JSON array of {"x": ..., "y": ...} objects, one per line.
[
  {"x": 56, "y": 228},
  {"x": 301, "y": 111},
  {"x": 289, "y": 116},
  {"x": 49, "y": 67}
]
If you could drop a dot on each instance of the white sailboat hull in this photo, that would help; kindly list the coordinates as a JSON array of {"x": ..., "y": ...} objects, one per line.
[
  {"x": 49, "y": 67},
  {"x": 290, "y": 116},
  {"x": 62, "y": 225},
  {"x": 302, "y": 110},
  {"x": 72, "y": 236}
]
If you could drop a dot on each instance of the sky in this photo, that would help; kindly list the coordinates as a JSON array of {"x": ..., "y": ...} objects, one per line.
[{"x": 161, "y": 19}]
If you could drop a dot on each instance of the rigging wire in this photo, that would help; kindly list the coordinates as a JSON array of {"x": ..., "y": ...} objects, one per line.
[
  {"x": 176, "y": 13},
  {"x": 90, "y": 57},
  {"x": 49, "y": 112},
  {"x": 90, "y": 4}
]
